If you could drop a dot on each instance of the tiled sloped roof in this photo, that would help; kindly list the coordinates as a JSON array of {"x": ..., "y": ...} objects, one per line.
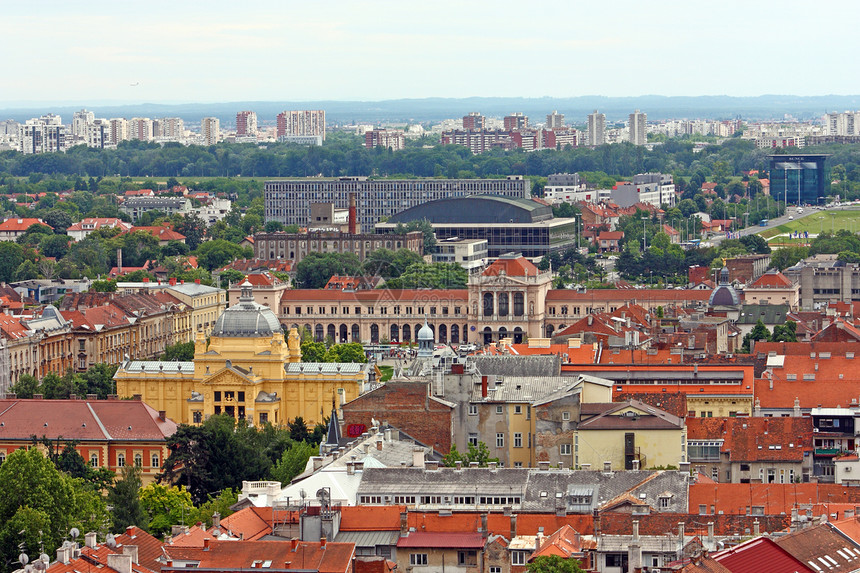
[
  {"x": 737, "y": 498},
  {"x": 649, "y": 418},
  {"x": 419, "y": 539},
  {"x": 822, "y": 542},
  {"x": 758, "y": 555},
  {"x": 773, "y": 279},
  {"x": 370, "y": 517},
  {"x": 132, "y": 420},
  {"x": 232, "y": 555},
  {"x": 756, "y": 439},
  {"x": 516, "y": 267},
  {"x": 20, "y": 225}
]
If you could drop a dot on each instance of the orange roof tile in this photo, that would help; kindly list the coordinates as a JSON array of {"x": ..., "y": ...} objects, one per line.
[
  {"x": 328, "y": 557},
  {"x": 773, "y": 279},
  {"x": 737, "y": 498},
  {"x": 370, "y": 517},
  {"x": 518, "y": 267},
  {"x": 20, "y": 225},
  {"x": 756, "y": 439}
]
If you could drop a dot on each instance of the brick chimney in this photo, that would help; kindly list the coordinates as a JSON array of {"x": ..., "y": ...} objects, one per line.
[{"x": 352, "y": 214}]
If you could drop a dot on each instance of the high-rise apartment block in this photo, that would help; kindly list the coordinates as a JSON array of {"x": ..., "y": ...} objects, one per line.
[
  {"x": 98, "y": 133},
  {"x": 210, "y": 128},
  {"x": 637, "y": 127},
  {"x": 474, "y": 121},
  {"x": 845, "y": 123},
  {"x": 80, "y": 121},
  {"x": 288, "y": 201},
  {"x": 140, "y": 128},
  {"x": 246, "y": 123},
  {"x": 43, "y": 135},
  {"x": 301, "y": 123},
  {"x": 169, "y": 128},
  {"x": 516, "y": 121},
  {"x": 596, "y": 128},
  {"x": 555, "y": 120},
  {"x": 118, "y": 130},
  {"x": 393, "y": 139}
]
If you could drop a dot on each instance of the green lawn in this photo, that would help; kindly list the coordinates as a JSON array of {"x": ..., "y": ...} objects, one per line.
[{"x": 817, "y": 222}]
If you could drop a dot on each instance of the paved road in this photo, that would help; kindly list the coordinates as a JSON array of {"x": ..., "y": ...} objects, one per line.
[{"x": 752, "y": 230}]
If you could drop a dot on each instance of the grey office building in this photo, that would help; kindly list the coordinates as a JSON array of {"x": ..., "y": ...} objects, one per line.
[{"x": 289, "y": 201}]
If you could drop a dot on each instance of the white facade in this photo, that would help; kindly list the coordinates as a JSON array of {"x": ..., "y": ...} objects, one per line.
[
  {"x": 80, "y": 121},
  {"x": 214, "y": 212},
  {"x": 210, "y": 129},
  {"x": 637, "y": 127},
  {"x": 469, "y": 254},
  {"x": 596, "y": 128},
  {"x": 43, "y": 135},
  {"x": 845, "y": 123}
]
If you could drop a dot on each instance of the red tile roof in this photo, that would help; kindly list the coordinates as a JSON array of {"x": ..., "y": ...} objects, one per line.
[
  {"x": 737, "y": 498},
  {"x": 330, "y": 557},
  {"x": 756, "y": 439},
  {"x": 519, "y": 267},
  {"x": 377, "y": 295},
  {"x": 370, "y": 517},
  {"x": 610, "y": 236},
  {"x": 630, "y": 295},
  {"x": 773, "y": 279},
  {"x": 566, "y": 543},
  {"x": 82, "y": 420},
  {"x": 820, "y": 541},
  {"x": 160, "y": 233},
  {"x": 758, "y": 555},
  {"x": 420, "y": 539},
  {"x": 20, "y": 225},
  {"x": 148, "y": 552}
]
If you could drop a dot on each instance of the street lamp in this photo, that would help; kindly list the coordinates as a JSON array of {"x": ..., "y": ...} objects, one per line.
[{"x": 644, "y": 235}]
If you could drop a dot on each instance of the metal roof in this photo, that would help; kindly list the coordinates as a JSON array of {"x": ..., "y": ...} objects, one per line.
[
  {"x": 156, "y": 366},
  {"x": 324, "y": 368},
  {"x": 368, "y": 538}
]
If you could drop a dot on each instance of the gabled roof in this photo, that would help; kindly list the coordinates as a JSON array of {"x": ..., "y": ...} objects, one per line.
[
  {"x": 148, "y": 553},
  {"x": 645, "y": 418},
  {"x": 160, "y": 233},
  {"x": 566, "y": 543},
  {"x": 610, "y": 236},
  {"x": 20, "y": 225},
  {"x": 773, "y": 498},
  {"x": 758, "y": 555},
  {"x": 823, "y": 548}
]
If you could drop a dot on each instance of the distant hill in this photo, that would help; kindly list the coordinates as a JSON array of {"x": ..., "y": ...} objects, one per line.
[{"x": 575, "y": 109}]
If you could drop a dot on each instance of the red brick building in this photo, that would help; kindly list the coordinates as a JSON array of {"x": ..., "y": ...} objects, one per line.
[{"x": 407, "y": 406}]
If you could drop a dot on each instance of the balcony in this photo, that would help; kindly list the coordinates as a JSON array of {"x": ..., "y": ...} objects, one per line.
[{"x": 827, "y": 451}]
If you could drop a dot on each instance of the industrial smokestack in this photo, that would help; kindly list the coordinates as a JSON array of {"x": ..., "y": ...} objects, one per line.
[
  {"x": 119, "y": 260},
  {"x": 352, "y": 214}
]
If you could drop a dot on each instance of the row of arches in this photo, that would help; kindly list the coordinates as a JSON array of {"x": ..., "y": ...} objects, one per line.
[
  {"x": 454, "y": 333},
  {"x": 489, "y": 336}
]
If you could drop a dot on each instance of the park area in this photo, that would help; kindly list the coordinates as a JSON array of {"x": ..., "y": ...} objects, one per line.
[{"x": 815, "y": 223}]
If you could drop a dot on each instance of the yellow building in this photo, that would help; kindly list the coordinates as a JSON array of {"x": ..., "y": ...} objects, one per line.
[
  {"x": 628, "y": 435},
  {"x": 247, "y": 370}
]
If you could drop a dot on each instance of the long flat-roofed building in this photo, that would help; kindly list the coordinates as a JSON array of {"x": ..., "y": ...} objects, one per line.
[
  {"x": 508, "y": 224},
  {"x": 288, "y": 201}
]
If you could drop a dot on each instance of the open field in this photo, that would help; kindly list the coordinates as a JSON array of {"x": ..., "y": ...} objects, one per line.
[{"x": 817, "y": 222}]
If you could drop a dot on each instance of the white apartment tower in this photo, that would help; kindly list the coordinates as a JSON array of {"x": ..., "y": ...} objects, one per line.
[
  {"x": 246, "y": 123},
  {"x": 43, "y": 135},
  {"x": 309, "y": 122},
  {"x": 845, "y": 123},
  {"x": 637, "y": 128},
  {"x": 80, "y": 121},
  {"x": 555, "y": 120},
  {"x": 596, "y": 128},
  {"x": 210, "y": 128}
]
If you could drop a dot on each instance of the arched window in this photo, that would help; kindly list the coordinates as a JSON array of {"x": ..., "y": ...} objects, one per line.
[
  {"x": 488, "y": 304},
  {"x": 94, "y": 460},
  {"x": 519, "y": 305},
  {"x": 374, "y": 333},
  {"x": 156, "y": 461},
  {"x": 503, "y": 304},
  {"x": 120, "y": 460},
  {"x": 138, "y": 460}
]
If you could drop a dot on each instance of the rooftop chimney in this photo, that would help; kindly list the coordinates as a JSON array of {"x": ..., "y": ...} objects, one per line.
[
  {"x": 130, "y": 550},
  {"x": 352, "y": 214},
  {"x": 680, "y": 536},
  {"x": 120, "y": 562},
  {"x": 418, "y": 457},
  {"x": 756, "y": 528},
  {"x": 635, "y": 465},
  {"x": 710, "y": 533},
  {"x": 90, "y": 539}
]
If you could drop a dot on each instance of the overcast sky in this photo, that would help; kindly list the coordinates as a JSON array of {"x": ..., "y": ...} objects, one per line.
[{"x": 217, "y": 51}]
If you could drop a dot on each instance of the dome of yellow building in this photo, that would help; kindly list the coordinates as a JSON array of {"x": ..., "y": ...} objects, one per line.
[{"x": 246, "y": 370}]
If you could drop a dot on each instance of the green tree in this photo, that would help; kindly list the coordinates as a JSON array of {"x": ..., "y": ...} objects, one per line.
[
  {"x": 165, "y": 506},
  {"x": 220, "y": 504},
  {"x": 25, "y": 387},
  {"x": 554, "y": 564},
  {"x": 479, "y": 454},
  {"x": 54, "y": 246},
  {"x": 107, "y": 285},
  {"x": 293, "y": 462},
  {"x": 758, "y": 332},
  {"x": 347, "y": 352},
  {"x": 298, "y": 430},
  {"x": 98, "y": 380},
  {"x": 192, "y": 227},
  {"x": 124, "y": 498},
  {"x": 182, "y": 351},
  {"x": 27, "y": 270},
  {"x": 315, "y": 270},
  {"x": 34, "y": 493},
  {"x": 217, "y": 253},
  {"x": 313, "y": 351},
  {"x": 788, "y": 256},
  {"x": 11, "y": 257},
  {"x": 785, "y": 332},
  {"x": 231, "y": 276}
]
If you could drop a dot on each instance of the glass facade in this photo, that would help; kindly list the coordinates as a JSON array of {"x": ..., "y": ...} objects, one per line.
[{"x": 799, "y": 179}]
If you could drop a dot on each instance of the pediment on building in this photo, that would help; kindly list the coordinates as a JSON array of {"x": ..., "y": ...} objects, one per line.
[{"x": 230, "y": 376}]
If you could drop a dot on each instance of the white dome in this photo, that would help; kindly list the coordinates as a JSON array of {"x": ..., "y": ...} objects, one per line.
[{"x": 425, "y": 333}]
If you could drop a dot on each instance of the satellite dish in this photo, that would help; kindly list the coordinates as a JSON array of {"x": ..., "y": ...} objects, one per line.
[
  {"x": 216, "y": 533},
  {"x": 23, "y": 559},
  {"x": 110, "y": 541},
  {"x": 74, "y": 533},
  {"x": 39, "y": 565}
]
